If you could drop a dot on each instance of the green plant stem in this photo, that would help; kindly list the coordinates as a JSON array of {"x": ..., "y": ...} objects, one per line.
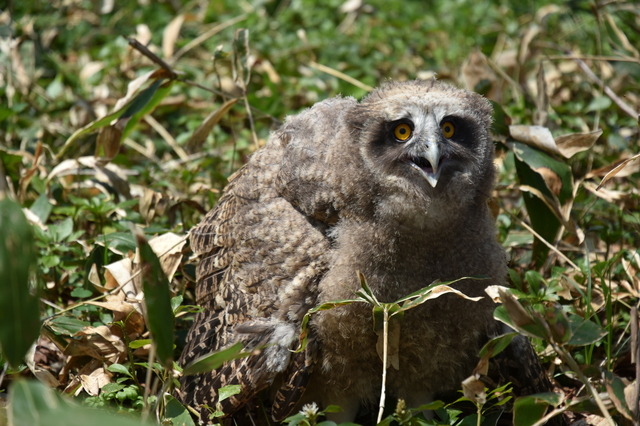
[
  {"x": 385, "y": 337},
  {"x": 479, "y": 415},
  {"x": 568, "y": 359},
  {"x": 147, "y": 385}
]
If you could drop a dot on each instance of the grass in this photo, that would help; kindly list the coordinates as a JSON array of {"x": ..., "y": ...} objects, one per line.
[{"x": 161, "y": 162}]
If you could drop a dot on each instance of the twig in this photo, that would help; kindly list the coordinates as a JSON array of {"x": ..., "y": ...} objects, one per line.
[
  {"x": 149, "y": 54},
  {"x": 635, "y": 333},
  {"x": 166, "y": 136},
  {"x": 593, "y": 58},
  {"x": 385, "y": 338},
  {"x": 594, "y": 78},
  {"x": 545, "y": 242}
]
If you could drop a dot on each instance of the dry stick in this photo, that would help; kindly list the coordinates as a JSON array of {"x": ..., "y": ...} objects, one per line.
[
  {"x": 635, "y": 347},
  {"x": 166, "y": 136},
  {"x": 545, "y": 242},
  {"x": 593, "y": 58},
  {"x": 385, "y": 337},
  {"x": 623, "y": 106},
  {"x": 149, "y": 54}
]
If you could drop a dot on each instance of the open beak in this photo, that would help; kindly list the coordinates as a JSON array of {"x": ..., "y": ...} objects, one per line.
[{"x": 427, "y": 162}]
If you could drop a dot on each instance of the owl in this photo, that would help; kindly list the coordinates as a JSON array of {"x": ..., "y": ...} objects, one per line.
[{"x": 394, "y": 186}]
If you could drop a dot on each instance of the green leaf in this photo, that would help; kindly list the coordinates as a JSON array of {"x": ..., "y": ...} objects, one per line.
[
  {"x": 175, "y": 303},
  {"x": 66, "y": 325},
  {"x": 615, "y": 388},
  {"x": 177, "y": 413},
  {"x": 34, "y": 404},
  {"x": 42, "y": 207},
  {"x": 432, "y": 406},
  {"x": 120, "y": 369},
  {"x": 145, "y": 103},
  {"x": 81, "y": 293},
  {"x": 598, "y": 104},
  {"x": 157, "y": 298},
  {"x": 140, "y": 101},
  {"x": 227, "y": 391},
  {"x": 496, "y": 345},
  {"x": 112, "y": 387},
  {"x": 139, "y": 343},
  {"x": 121, "y": 241},
  {"x": 529, "y": 409},
  {"x": 501, "y": 121},
  {"x": 543, "y": 219},
  {"x": 214, "y": 360},
  {"x": 585, "y": 332},
  {"x": 19, "y": 312}
]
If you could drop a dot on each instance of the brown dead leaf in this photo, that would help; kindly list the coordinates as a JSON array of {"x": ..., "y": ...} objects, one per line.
[
  {"x": 551, "y": 178},
  {"x": 571, "y": 144},
  {"x": 517, "y": 313},
  {"x": 119, "y": 274},
  {"x": 124, "y": 311},
  {"x": 536, "y": 136},
  {"x": 168, "y": 248},
  {"x": 109, "y": 139},
  {"x": 610, "y": 195},
  {"x": 493, "y": 291},
  {"x": 473, "y": 389},
  {"x": 99, "y": 343},
  {"x": 201, "y": 133},
  {"x": 170, "y": 35},
  {"x": 629, "y": 166},
  {"x": 93, "y": 382},
  {"x": 476, "y": 70}
]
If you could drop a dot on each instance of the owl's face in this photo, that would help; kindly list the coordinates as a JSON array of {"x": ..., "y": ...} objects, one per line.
[{"x": 430, "y": 145}]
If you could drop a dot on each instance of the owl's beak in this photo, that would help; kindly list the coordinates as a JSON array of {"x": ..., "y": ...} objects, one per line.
[
  {"x": 427, "y": 162},
  {"x": 432, "y": 154}
]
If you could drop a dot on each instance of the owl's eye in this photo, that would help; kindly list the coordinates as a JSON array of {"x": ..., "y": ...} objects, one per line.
[
  {"x": 402, "y": 132},
  {"x": 448, "y": 129}
]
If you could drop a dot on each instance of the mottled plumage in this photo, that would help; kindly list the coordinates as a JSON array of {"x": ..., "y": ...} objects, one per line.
[{"x": 395, "y": 186}]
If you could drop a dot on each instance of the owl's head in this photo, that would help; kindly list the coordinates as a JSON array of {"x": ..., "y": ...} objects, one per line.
[{"x": 427, "y": 144}]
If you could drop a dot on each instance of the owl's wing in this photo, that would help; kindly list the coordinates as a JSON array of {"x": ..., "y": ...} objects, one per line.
[{"x": 263, "y": 251}]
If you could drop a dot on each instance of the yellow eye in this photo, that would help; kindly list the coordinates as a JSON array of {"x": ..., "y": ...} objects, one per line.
[
  {"x": 448, "y": 129},
  {"x": 402, "y": 132}
]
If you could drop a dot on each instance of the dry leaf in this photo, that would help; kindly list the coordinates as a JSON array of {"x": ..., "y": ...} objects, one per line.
[
  {"x": 201, "y": 133},
  {"x": 571, "y": 144},
  {"x": 617, "y": 170},
  {"x": 168, "y": 248},
  {"x": 99, "y": 343},
  {"x": 536, "y": 136},
  {"x": 473, "y": 389},
  {"x": 494, "y": 292},
  {"x": 170, "y": 35},
  {"x": 41, "y": 374},
  {"x": 93, "y": 382}
]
